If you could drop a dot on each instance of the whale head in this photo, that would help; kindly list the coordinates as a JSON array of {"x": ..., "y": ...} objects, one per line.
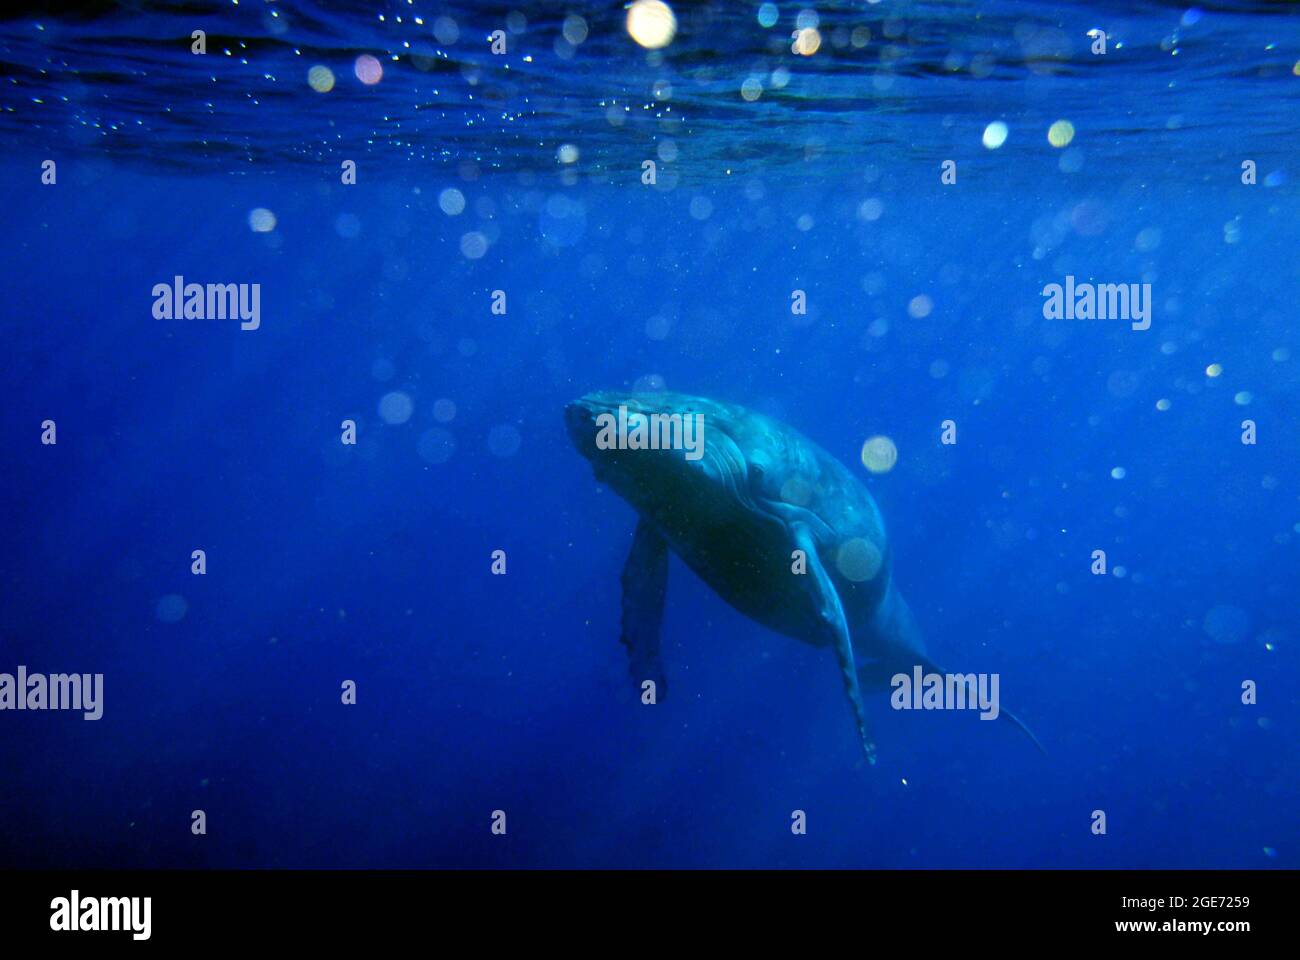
[{"x": 672, "y": 456}]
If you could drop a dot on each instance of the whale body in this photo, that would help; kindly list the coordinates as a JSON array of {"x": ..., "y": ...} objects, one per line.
[{"x": 776, "y": 526}]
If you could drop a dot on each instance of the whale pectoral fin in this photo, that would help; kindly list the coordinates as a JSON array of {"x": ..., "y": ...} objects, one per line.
[
  {"x": 645, "y": 581},
  {"x": 831, "y": 612},
  {"x": 876, "y": 676}
]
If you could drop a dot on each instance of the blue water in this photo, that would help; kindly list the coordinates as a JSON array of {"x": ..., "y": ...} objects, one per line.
[{"x": 371, "y": 563}]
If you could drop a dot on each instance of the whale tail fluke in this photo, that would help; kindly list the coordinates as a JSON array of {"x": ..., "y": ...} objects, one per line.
[
  {"x": 1003, "y": 713},
  {"x": 877, "y": 677},
  {"x": 1020, "y": 725}
]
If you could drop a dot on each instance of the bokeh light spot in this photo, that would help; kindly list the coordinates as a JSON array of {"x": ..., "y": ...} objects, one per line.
[
  {"x": 1060, "y": 133},
  {"x": 995, "y": 134},
  {"x": 368, "y": 70},
  {"x": 651, "y": 23},
  {"x": 858, "y": 560},
  {"x": 395, "y": 407},
  {"x": 320, "y": 78},
  {"x": 879, "y": 454},
  {"x": 261, "y": 220}
]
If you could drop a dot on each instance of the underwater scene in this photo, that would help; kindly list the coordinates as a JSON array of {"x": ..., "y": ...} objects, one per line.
[{"x": 651, "y": 434}]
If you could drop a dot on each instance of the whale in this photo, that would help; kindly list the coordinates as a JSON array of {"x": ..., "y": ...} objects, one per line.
[{"x": 778, "y": 528}]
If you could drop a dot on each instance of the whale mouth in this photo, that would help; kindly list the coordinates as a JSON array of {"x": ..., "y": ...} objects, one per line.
[
  {"x": 580, "y": 418},
  {"x": 645, "y": 437},
  {"x": 663, "y": 465},
  {"x": 576, "y": 415}
]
